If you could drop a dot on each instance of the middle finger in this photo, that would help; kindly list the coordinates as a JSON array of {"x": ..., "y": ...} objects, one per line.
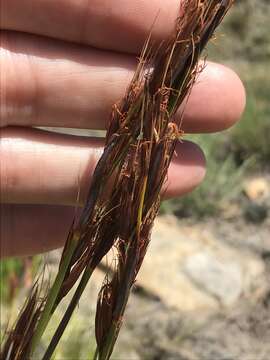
[{"x": 52, "y": 83}]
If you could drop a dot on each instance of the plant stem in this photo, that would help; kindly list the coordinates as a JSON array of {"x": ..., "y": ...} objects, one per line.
[
  {"x": 65, "y": 320},
  {"x": 53, "y": 293}
]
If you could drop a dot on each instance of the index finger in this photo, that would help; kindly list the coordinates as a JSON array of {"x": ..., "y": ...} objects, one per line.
[{"x": 120, "y": 25}]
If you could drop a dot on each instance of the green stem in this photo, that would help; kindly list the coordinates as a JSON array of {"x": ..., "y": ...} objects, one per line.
[
  {"x": 65, "y": 320},
  {"x": 96, "y": 354},
  {"x": 53, "y": 294}
]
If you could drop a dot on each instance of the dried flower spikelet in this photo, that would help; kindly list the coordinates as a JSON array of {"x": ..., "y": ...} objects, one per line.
[
  {"x": 17, "y": 344},
  {"x": 173, "y": 75}
]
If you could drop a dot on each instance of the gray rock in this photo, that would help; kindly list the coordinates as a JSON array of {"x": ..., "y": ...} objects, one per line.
[
  {"x": 221, "y": 279},
  {"x": 189, "y": 268}
]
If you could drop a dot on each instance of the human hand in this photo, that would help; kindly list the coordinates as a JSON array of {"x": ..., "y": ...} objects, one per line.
[{"x": 63, "y": 64}]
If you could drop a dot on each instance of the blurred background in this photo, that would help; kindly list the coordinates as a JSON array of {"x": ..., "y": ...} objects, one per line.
[{"x": 204, "y": 290}]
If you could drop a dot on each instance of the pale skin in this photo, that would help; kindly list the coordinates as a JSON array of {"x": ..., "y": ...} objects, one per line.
[{"x": 63, "y": 64}]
